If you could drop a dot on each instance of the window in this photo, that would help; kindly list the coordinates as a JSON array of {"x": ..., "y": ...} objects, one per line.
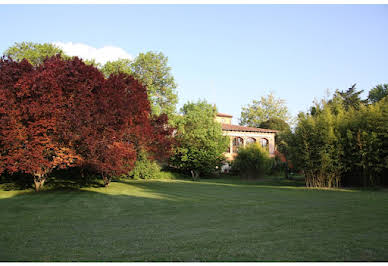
[
  {"x": 264, "y": 143},
  {"x": 237, "y": 143},
  {"x": 251, "y": 140}
]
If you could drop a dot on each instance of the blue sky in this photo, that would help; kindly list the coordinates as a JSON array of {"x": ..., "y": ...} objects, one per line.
[{"x": 227, "y": 54}]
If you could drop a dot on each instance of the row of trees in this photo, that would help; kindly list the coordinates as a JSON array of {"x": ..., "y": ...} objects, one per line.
[
  {"x": 342, "y": 141},
  {"x": 60, "y": 112}
]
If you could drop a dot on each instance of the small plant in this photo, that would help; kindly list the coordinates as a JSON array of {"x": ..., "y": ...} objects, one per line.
[
  {"x": 145, "y": 168},
  {"x": 252, "y": 161}
]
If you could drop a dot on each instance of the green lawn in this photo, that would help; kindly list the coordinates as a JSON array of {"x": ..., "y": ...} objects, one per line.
[{"x": 210, "y": 220}]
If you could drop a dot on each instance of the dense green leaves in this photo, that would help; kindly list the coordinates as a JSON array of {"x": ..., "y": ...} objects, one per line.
[
  {"x": 200, "y": 140},
  {"x": 342, "y": 142},
  {"x": 252, "y": 161},
  {"x": 378, "y": 93},
  {"x": 275, "y": 123},
  {"x": 260, "y": 111},
  {"x": 351, "y": 98},
  {"x": 35, "y": 53},
  {"x": 145, "y": 168}
]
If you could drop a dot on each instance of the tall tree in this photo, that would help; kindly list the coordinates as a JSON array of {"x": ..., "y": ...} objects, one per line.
[
  {"x": 351, "y": 98},
  {"x": 200, "y": 140},
  {"x": 152, "y": 70},
  {"x": 378, "y": 93},
  {"x": 35, "y": 53},
  {"x": 65, "y": 113},
  {"x": 31, "y": 104},
  {"x": 260, "y": 111},
  {"x": 341, "y": 144}
]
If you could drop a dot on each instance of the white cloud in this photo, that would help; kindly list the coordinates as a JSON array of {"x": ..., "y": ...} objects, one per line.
[{"x": 101, "y": 55}]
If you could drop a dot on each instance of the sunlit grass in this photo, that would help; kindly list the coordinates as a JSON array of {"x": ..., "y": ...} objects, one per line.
[{"x": 180, "y": 220}]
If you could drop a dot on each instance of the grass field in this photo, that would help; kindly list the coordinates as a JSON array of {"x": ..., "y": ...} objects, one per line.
[{"x": 211, "y": 220}]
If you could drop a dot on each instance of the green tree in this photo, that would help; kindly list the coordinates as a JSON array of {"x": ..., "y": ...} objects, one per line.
[
  {"x": 343, "y": 142},
  {"x": 378, "y": 93},
  {"x": 35, "y": 53},
  {"x": 275, "y": 123},
  {"x": 115, "y": 67},
  {"x": 200, "y": 141},
  {"x": 351, "y": 98},
  {"x": 152, "y": 70},
  {"x": 260, "y": 111}
]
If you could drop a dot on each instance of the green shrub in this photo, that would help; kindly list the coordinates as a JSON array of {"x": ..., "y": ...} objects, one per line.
[
  {"x": 278, "y": 167},
  {"x": 170, "y": 175},
  {"x": 145, "y": 168},
  {"x": 253, "y": 161}
]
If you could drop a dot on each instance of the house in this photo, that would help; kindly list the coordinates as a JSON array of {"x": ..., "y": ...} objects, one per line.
[{"x": 240, "y": 136}]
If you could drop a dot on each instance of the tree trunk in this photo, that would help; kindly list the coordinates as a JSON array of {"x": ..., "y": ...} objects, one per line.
[
  {"x": 194, "y": 175},
  {"x": 106, "y": 180},
  {"x": 286, "y": 171},
  {"x": 39, "y": 182}
]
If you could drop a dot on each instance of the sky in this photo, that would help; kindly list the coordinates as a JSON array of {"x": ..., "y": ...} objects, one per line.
[{"x": 228, "y": 55}]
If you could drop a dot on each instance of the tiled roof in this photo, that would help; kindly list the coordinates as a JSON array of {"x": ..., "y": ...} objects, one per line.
[
  {"x": 248, "y": 129},
  {"x": 224, "y": 115}
]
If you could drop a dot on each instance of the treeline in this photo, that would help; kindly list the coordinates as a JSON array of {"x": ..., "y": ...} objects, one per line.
[
  {"x": 64, "y": 113},
  {"x": 74, "y": 120},
  {"x": 342, "y": 141}
]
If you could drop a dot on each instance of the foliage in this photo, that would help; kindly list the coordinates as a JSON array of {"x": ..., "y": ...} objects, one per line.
[
  {"x": 30, "y": 107},
  {"x": 342, "y": 142},
  {"x": 280, "y": 165},
  {"x": 252, "y": 161},
  {"x": 64, "y": 113},
  {"x": 378, "y": 93},
  {"x": 145, "y": 168},
  {"x": 200, "y": 141},
  {"x": 35, "y": 53},
  {"x": 275, "y": 123},
  {"x": 260, "y": 111},
  {"x": 116, "y": 67},
  {"x": 152, "y": 70},
  {"x": 351, "y": 98}
]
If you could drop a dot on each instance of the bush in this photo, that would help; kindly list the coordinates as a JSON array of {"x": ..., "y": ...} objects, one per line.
[
  {"x": 253, "y": 161},
  {"x": 279, "y": 166},
  {"x": 145, "y": 168}
]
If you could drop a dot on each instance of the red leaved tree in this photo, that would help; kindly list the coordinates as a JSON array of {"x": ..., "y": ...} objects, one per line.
[
  {"x": 65, "y": 113},
  {"x": 30, "y": 104}
]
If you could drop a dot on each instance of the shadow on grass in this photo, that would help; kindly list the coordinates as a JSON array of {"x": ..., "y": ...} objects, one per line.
[
  {"x": 72, "y": 225},
  {"x": 58, "y": 180}
]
